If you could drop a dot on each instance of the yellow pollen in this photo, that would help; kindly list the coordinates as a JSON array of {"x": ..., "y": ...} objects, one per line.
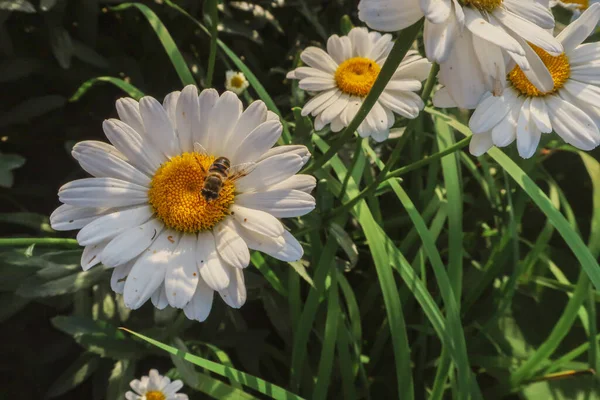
[
  {"x": 237, "y": 82},
  {"x": 155, "y": 395},
  {"x": 486, "y": 5},
  {"x": 581, "y": 4},
  {"x": 559, "y": 68},
  {"x": 356, "y": 76},
  {"x": 176, "y": 199}
]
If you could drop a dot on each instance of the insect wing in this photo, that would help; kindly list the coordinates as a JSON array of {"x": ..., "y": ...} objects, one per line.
[{"x": 240, "y": 170}]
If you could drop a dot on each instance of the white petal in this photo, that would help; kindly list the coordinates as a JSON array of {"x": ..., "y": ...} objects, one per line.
[
  {"x": 199, "y": 306},
  {"x": 131, "y": 243},
  {"x": 103, "y": 164},
  {"x": 257, "y": 221},
  {"x": 130, "y": 143},
  {"x": 187, "y": 114},
  {"x": 539, "y": 115},
  {"x": 480, "y": 144},
  {"x": 300, "y": 150},
  {"x": 231, "y": 247},
  {"x": 319, "y": 100},
  {"x": 279, "y": 203},
  {"x": 252, "y": 117},
  {"x": 389, "y": 15},
  {"x": 129, "y": 112},
  {"x": 148, "y": 272},
  {"x": 158, "y": 127},
  {"x": 574, "y": 34},
  {"x": 206, "y": 102},
  {"x": 528, "y": 31},
  {"x": 66, "y": 217},
  {"x": 304, "y": 183},
  {"x": 223, "y": 119},
  {"x": 317, "y": 58},
  {"x": 159, "y": 298},
  {"x": 212, "y": 269},
  {"x": 170, "y": 106},
  {"x": 109, "y": 226},
  {"x": 258, "y": 142},
  {"x": 285, "y": 247},
  {"x": 572, "y": 125},
  {"x": 490, "y": 111},
  {"x": 528, "y": 136},
  {"x": 182, "y": 274},
  {"x": 339, "y": 48},
  {"x": 436, "y": 11},
  {"x": 119, "y": 276},
  {"x": 270, "y": 172},
  {"x": 235, "y": 294},
  {"x": 102, "y": 192},
  {"x": 90, "y": 254}
]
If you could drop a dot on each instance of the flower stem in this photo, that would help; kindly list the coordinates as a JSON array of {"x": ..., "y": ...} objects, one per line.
[
  {"x": 212, "y": 56},
  {"x": 14, "y": 242},
  {"x": 401, "y": 46}
]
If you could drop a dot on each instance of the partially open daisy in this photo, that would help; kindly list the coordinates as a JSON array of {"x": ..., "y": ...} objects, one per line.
[
  {"x": 236, "y": 82},
  {"x": 571, "y": 108},
  {"x": 343, "y": 76},
  {"x": 155, "y": 387},
  {"x": 469, "y": 38},
  {"x": 184, "y": 191}
]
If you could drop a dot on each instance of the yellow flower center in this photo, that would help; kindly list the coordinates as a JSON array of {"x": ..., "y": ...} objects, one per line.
[
  {"x": 155, "y": 395},
  {"x": 237, "y": 81},
  {"x": 356, "y": 76},
  {"x": 581, "y": 4},
  {"x": 559, "y": 68},
  {"x": 175, "y": 194},
  {"x": 486, "y": 5}
]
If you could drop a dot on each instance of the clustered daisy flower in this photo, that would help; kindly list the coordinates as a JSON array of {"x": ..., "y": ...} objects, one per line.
[
  {"x": 469, "y": 39},
  {"x": 183, "y": 192},
  {"x": 343, "y": 76},
  {"x": 570, "y": 107},
  {"x": 155, "y": 387},
  {"x": 236, "y": 82}
]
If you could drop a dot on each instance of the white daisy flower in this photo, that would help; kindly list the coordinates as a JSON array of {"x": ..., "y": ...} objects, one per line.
[
  {"x": 160, "y": 210},
  {"x": 236, "y": 82},
  {"x": 155, "y": 387},
  {"x": 470, "y": 39},
  {"x": 343, "y": 75},
  {"x": 571, "y": 108},
  {"x": 577, "y": 6}
]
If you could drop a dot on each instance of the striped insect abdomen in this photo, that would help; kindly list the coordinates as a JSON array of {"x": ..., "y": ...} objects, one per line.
[{"x": 217, "y": 174}]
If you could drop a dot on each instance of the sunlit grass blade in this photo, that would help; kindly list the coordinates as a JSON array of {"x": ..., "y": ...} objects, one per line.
[
  {"x": 580, "y": 250},
  {"x": 181, "y": 67},
  {"x": 266, "y": 388},
  {"x": 260, "y": 263},
  {"x": 127, "y": 87}
]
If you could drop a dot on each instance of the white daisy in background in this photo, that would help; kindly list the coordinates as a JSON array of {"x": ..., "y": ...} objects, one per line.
[
  {"x": 470, "y": 39},
  {"x": 155, "y": 387},
  {"x": 343, "y": 75},
  {"x": 571, "y": 108},
  {"x": 236, "y": 82},
  {"x": 145, "y": 212}
]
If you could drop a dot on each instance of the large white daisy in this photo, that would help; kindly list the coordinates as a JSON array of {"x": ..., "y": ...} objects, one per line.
[
  {"x": 343, "y": 75},
  {"x": 571, "y": 108},
  {"x": 145, "y": 214},
  {"x": 471, "y": 39},
  {"x": 155, "y": 387}
]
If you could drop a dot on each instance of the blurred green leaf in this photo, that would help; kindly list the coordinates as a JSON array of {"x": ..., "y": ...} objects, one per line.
[
  {"x": 8, "y": 163},
  {"x": 89, "y": 55},
  {"x": 39, "y": 287},
  {"x": 17, "y": 68},
  {"x": 17, "y": 5},
  {"x": 46, "y": 5},
  {"x": 118, "y": 382},
  {"x": 345, "y": 242},
  {"x": 32, "y": 108},
  {"x": 62, "y": 46},
  {"x": 75, "y": 375},
  {"x": 35, "y": 221}
]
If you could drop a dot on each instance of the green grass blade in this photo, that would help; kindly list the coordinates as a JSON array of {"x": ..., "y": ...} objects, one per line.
[
  {"x": 181, "y": 67},
  {"x": 453, "y": 183},
  {"x": 580, "y": 250},
  {"x": 266, "y": 388},
  {"x": 127, "y": 87},
  {"x": 261, "y": 264},
  {"x": 329, "y": 341}
]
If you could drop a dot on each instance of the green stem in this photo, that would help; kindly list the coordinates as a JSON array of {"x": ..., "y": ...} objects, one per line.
[
  {"x": 14, "y": 242},
  {"x": 401, "y": 46},
  {"x": 212, "y": 56}
]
